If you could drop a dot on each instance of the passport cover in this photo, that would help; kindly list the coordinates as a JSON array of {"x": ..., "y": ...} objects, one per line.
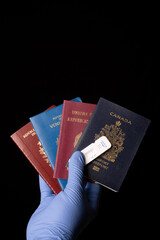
[
  {"x": 28, "y": 142},
  {"x": 47, "y": 127},
  {"x": 75, "y": 116},
  {"x": 125, "y": 130}
]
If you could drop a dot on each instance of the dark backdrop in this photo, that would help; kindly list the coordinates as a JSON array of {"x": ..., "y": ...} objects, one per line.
[{"x": 55, "y": 51}]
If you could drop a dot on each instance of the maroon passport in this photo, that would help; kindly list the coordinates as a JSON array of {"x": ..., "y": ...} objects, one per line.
[
  {"x": 28, "y": 142},
  {"x": 75, "y": 116}
]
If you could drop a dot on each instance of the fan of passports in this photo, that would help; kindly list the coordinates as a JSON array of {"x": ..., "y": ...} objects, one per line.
[{"x": 108, "y": 135}]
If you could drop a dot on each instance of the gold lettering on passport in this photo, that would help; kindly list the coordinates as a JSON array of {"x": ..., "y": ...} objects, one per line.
[
  {"x": 30, "y": 132},
  {"x": 42, "y": 152},
  {"x": 120, "y": 118},
  {"x": 57, "y": 141},
  {"x": 116, "y": 136},
  {"x": 95, "y": 168},
  {"x": 79, "y": 113},
  {"x": 79, "y": 120}
]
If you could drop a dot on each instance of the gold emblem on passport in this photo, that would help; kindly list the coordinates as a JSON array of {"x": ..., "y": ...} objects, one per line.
[
  {"x": 116, "y": 137},
  {"x": 77, "y": 137}
]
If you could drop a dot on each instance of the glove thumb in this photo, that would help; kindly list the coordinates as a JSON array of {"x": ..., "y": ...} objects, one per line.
[{"x": 76, "y": 175}]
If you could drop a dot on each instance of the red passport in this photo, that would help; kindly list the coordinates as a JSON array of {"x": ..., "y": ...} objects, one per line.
[
  {"x": 28, "y": 142},
  {"x": 75, "y": 116}
]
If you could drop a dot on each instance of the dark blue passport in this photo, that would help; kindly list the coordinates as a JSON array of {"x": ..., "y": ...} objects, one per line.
[
  {"x": 47, "y": 127},
  {"x": 125, "y": 130}
]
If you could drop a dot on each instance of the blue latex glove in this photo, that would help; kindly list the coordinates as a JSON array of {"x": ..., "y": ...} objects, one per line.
[{"x": 64, "y": 216}]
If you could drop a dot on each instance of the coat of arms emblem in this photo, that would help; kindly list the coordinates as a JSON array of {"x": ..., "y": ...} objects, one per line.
[
  {"x": 116, "y": 136},
  {"x": 77, "y": 137}
]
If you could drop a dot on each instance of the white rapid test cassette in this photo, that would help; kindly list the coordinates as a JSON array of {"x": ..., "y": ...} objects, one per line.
[{"x": 95, "y": 149}]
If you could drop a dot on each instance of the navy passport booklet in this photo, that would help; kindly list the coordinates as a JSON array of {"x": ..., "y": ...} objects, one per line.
[
  {"x": 47, "y": 127},
  {"x": 125, "y": 130}
]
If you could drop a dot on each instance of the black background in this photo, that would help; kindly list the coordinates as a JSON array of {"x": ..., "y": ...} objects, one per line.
[{"x": 54, "y": 51}]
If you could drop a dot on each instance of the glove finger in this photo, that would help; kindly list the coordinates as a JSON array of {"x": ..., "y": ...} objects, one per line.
[
  {"x": 93, "y": 192},
  {"x": 44, "y": 189},
  {"x": 76, "y": 175}
]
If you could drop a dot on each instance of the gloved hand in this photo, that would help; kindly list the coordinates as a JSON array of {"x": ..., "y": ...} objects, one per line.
[{"x": 64, "y": 216}]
